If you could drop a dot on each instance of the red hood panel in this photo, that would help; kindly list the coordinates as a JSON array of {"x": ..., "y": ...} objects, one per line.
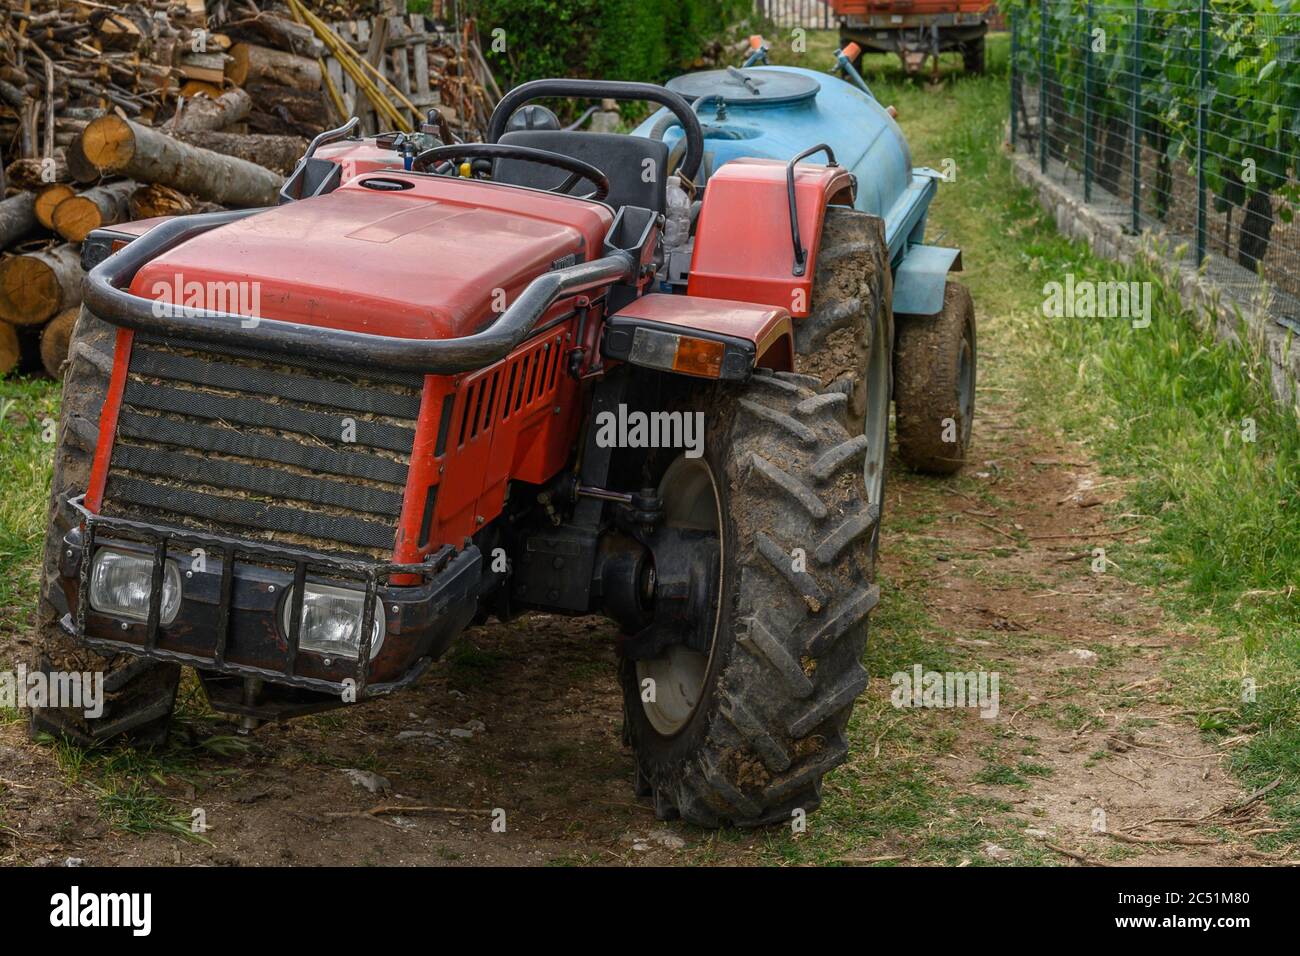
[{"x": 419, "y": 263}]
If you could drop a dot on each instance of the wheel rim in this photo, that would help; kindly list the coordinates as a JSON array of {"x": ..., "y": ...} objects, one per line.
[
  {"x": 690, "y": 496},
  {"x": 966, "y": 386},
  {"x": 875, "y": 425}
]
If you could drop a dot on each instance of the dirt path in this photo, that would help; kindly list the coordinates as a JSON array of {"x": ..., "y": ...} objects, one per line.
[
  {"x": 1091, "y": 748},
  {"x": 526, "y": 718}
]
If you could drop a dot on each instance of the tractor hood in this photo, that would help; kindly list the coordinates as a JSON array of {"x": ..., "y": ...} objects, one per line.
[{"x": 395, "y": 254}]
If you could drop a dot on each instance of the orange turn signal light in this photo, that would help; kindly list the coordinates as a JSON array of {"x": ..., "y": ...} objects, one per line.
[{"x": 702, "y": 357}]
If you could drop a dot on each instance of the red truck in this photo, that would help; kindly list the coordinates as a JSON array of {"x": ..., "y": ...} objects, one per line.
[{"x": 917, "y": 30}]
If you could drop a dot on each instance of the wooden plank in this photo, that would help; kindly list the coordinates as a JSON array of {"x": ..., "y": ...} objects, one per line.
[{"x": 420, "y": 52}]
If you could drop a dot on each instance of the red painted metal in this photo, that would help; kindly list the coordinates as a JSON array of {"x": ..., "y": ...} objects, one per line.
[
  {"x": 743, "y": 249},
  {"x": 359, "y": 156},
  {"x": 860, "y": 8},
  {"x": 767, "y": 326},
  {"x": 422, "y": 472},
  {"x": 438, "y": 260},
  {"x": 108, "y": 421}
]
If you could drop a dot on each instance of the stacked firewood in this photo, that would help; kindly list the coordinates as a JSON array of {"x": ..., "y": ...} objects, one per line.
[{"x": 111, "y": 112}]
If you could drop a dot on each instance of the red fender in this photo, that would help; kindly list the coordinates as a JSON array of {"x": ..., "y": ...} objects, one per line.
[
  {"x": 761, "y": 331},
  {"x": 743, "y": 248}
]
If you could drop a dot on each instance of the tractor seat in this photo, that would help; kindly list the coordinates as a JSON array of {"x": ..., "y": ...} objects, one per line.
[{"x": 621, "y": 158}]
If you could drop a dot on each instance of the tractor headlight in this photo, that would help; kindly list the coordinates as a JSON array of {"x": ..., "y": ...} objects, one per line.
[
  {"x": 331, "y": 621},
  {"x": 121, "y": 585}
]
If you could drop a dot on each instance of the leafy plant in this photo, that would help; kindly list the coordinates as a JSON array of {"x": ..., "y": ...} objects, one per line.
[{"x": 1252, "y": 113}]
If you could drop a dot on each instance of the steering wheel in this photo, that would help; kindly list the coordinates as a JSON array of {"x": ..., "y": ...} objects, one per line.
[{"x": 576, "y": 168}]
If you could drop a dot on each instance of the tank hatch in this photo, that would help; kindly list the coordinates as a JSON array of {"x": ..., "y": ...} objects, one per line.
[{"x": 762, "y": 86}]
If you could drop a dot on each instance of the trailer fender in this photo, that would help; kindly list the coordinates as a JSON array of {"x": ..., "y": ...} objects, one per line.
[
  {"x": 701, "y": 337},
  {"x": 921, "y": 277}
]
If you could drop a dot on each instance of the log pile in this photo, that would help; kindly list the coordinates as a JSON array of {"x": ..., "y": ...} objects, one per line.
[{"x": 116, "y": 111}]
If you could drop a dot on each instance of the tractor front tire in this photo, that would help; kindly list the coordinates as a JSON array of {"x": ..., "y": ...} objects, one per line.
[
  {"x": 745, "y": 735},
  {"x": 139, "y": 693},
  {"x": 934, "y": 384}
]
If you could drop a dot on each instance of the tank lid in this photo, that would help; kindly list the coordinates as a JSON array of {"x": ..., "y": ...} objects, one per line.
[{"x": 752, "y": 87}]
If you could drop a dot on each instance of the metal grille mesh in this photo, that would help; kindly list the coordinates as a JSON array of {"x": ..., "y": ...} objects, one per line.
[{"x": 248, "y": 445}]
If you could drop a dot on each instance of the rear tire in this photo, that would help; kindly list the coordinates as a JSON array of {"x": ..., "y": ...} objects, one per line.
[
  {"x": 768, "y": 719},
  {"x": 934, "y": 385},
  {"x": 139, "y": 693},
  {"x": 797, "y": 461}
]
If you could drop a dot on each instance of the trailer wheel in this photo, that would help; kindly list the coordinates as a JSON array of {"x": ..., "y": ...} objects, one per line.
[
  {"x": 972, "y": 56},
  {"x": 744, "y": 734},
  {"x": 139, "y": 694},
  {"x": 934, "y": 385}
]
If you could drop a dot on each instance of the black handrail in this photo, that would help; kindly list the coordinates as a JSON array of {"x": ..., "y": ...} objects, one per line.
[
  {"x": 801, "y": 254},
  {"x": 104, "y": 293},
  {"x": 606, "y": 90}
]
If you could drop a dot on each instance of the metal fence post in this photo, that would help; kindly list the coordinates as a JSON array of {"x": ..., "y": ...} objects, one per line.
[
  {"x": 1042, "y": 86},
  {"x": 1200, "y": 133},
  {"x": 1136, "y": 113},
  {"x": 1015, "y": 36},
  {"x": 1087, "y": 105}
]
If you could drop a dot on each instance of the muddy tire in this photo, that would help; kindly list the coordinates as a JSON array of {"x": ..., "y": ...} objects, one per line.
[
  {"x": 796, "y": 464},
  {"x": 139, "y": 694},
  {"x": 934, "y": 385},
  {"x": 769, "y": 716},
  {"x": 847, "y": 340}
]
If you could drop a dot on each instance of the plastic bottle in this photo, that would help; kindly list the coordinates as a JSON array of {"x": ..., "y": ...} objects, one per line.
[{"x": 677, "y": 228}]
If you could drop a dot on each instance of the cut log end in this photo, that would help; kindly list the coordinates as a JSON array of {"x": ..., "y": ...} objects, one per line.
[
  {"x": 36, "y": 286},
  {"x": 49, "y": 199},
  {"x": 10, "y": 353},
  {"x": 76, "y": 217},
  {"x": 55, "y": 338},
  {"x": 108, "y": 143}
]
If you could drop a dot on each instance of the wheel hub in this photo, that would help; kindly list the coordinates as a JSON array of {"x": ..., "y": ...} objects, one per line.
[{"x": 672, "y": 654}]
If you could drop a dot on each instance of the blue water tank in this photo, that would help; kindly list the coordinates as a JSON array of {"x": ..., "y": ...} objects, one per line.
[{"x": 778, "y": 112}]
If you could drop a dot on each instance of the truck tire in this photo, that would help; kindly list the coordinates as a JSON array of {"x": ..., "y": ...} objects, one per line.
[
  {"x": 934, "y": 385},
  {"x": 972, "y": 56},
  {"x": 745, "y": 735},
  {"x": 139, "y": 693}
]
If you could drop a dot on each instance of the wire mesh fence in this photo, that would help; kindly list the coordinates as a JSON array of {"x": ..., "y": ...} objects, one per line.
[{"x": 1176, "y": 116}]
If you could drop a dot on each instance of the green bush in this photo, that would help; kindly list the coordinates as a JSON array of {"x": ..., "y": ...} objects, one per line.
[{"x": 645, "y": 40}]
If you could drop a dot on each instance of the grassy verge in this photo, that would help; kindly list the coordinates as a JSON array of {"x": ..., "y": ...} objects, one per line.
[
  {"x": 1215, "y": 469},
  {"x": 28, "y": 410}
]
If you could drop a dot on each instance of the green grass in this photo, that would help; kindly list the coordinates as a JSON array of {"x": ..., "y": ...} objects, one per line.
[
  {"x": 28, "y": 409},
  {"x": 132, "y": 788}
]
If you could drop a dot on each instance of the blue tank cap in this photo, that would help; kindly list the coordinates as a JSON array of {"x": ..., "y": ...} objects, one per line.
[{"x": 765, "y": 86}]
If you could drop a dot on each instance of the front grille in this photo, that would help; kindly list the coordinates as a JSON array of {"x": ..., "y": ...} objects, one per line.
[{"x": 244, "y": 444}]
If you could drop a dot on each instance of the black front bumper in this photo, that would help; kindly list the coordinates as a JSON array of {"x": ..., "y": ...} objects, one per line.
[{"x": 233, "y": 603}]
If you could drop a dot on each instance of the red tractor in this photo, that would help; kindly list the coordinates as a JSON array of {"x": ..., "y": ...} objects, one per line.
[{"x": 302, "y": 448}]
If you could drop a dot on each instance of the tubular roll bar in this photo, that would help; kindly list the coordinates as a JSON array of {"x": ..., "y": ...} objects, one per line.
[
  {"x": 105, "y": 294},
  {"x": 606, "y": 90}
]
